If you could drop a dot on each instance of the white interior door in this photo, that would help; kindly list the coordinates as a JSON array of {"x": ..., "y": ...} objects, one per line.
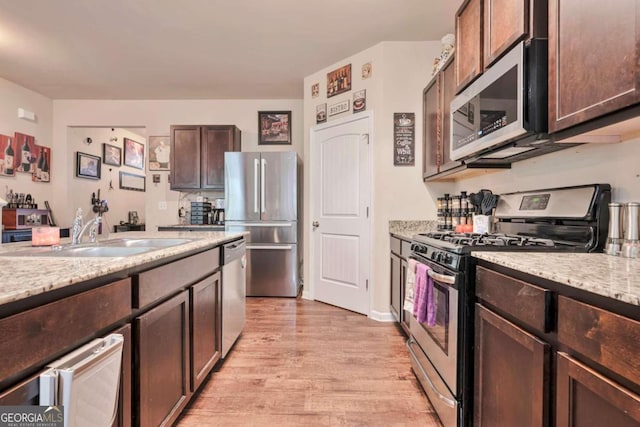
[{"x": 340, "y": 197}]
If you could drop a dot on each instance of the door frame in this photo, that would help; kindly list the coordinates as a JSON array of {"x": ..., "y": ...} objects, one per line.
[{"x": 309, "y": 288}]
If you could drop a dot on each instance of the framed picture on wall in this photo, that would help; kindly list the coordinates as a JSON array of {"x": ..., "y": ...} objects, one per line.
[
  {"x": 159, "y": 153},
  {"x": 87, "y": 166},
  {"x": 111, "y": 155},
  {"x": 275, "y": 127},
  {"x": 133, "y": 153}
]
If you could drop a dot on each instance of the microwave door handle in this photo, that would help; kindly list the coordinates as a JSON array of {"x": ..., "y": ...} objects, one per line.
[{"x": 442, "y": 278}]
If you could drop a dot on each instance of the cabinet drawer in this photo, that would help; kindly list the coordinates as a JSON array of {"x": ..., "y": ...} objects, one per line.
[
  {"x": 405, "y": 248},
  {"x": 607, "y": 338},
  {"x": 164, "y": 280},
  {"x": 529, "y": 304},
  {"x": 396, "y": 245},
  {"x": 39, "y": 335}
]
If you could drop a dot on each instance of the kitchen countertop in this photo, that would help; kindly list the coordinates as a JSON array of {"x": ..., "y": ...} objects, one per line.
[
  {"x": 601, "y": 274},
  {"x": 406, "y": 229},
  {"x": 34, "y": 275}
]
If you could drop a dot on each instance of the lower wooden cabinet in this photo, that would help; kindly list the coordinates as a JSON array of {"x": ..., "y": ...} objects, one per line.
[
  {"x": 206, "y": 328},
  {"x": 511, "y": 370},
  {"x": 163, "y": 364}
]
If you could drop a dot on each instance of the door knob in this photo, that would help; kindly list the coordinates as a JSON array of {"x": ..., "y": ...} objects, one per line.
[{"x": 315, "y": 224}]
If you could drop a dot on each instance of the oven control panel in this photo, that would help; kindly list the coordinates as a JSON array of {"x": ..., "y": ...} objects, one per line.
[{"x": 438, "y": 256}]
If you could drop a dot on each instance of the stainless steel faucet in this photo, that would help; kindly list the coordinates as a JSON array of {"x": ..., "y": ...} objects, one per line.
[{"x": 79, "y": 228}]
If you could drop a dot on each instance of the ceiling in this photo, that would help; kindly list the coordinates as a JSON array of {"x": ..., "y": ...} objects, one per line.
[{"x": 197, "y": 49}]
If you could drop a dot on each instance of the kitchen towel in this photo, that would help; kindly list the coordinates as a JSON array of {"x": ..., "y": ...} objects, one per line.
[
  {"x": 424, "y": 309},
  {"x": 410, "y": 285}
]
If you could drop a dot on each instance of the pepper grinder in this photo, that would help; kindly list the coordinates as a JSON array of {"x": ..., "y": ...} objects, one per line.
[
  {"x": 631, "y": 245},
  {"x": 614, "y": 241}
]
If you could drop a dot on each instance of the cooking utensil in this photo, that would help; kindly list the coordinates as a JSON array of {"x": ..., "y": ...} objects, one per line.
[
  {"x": 489, "y": 201},
  {"x": 476, "y": 200}
]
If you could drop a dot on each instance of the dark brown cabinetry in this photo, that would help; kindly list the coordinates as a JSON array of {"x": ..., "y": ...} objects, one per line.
[
  {"x": 594, "y": 60},
  {"x": 436, "y": 136},
  {"x": 163, "y": 361},
  {"x": 197, "y": 155},
  {"x": 468, "y": 43},
  {"x": 580, "y": 370},
  {"x": 511, "y": 371},
  {"x": 400, "y": 250},
  {"x": 206, "y": 328}
]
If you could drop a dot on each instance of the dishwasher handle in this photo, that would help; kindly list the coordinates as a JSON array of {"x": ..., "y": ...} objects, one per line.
[{"x": 233, "y": 250}]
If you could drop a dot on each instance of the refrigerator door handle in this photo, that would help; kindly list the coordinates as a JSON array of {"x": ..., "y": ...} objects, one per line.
[
  {"x": 255, "y": 185},
  {"x": 274, "y": 247},
  {"x": 261, "y": 224},
  {"x": 262, "y": 185}
]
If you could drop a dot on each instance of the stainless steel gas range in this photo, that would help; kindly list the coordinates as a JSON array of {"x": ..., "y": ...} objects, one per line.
[{"x": 571, "y": 219}]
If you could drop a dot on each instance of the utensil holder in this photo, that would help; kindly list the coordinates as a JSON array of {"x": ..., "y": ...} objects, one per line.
[{"x": 483, "y": 224}]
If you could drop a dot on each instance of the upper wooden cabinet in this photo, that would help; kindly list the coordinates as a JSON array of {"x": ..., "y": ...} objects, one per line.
[
  {"x": 468, "y": 43},
  {"x": 487, "y": 29},
  {"x": 197, "y": 155},
  {"x": 593, "y": 59},
  {"x": 436, "y": 136}
]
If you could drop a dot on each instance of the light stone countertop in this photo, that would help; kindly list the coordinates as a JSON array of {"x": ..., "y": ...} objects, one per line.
[
  {"x": 406, "y": 229},
  {"x": 25, "y": 276},
  {"x": 601, "y": 274}
]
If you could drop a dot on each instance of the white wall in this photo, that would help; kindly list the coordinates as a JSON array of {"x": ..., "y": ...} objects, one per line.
[
  {"x": 157, "y": 117},
  {"x": 120, "y": 201},
  {"x": 13, "y": 97},
  {"x": 400, "y": 71}
]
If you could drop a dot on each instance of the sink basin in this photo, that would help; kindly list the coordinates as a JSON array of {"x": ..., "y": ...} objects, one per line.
[
  {"x": 110, "y": 248},
  {"x": 83, "y": 251},
  {"x": 148, "y": 243}
]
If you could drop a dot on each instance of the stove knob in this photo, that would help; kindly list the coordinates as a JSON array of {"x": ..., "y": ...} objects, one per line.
[
  {"x": 433, "y": 255},
  {"x": 438, "y": 257},
  {"x": 448, "y": 258}
]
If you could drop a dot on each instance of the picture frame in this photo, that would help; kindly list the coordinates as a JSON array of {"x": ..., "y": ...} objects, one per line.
[
  {"x": 111, "y": 155},
  {"x": 42, "y": 172},
  {"x": 321, "y": 113},
  {"x": 133, "y": 153},
  {"x": 339, "y": 81},
  {"x": 359, "y": 100},
  {"x": 8, "y": 156},
  {"x": 25, "y": 147},
  {"x": 274, "y": 127},
  {"x": 87, "y": 166},
  {"x": 159, "y": 153},
  {"x": 131, "y": 181}
]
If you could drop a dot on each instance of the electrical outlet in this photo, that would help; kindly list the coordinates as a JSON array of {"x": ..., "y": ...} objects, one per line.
[{"x": 162, "y": 206}]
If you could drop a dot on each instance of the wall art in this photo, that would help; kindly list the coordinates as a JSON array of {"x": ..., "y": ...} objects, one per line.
[
  {"x": 130, "y": 181},
  {"x": 42, "y": 172},
  {"x": 275, "y": 127},
  {"x": 339, "y": 81},
  {"x": 159, "y": 153},
  {"x": 404, "y": 130},
  {"x": 340, "y": 107},
  {"x": 8, "y": 156},
  {"x": 359, "y": 100},
  {"x": 367, "y": 69},
  {"x": 315, "y": 90},
  {"x": 25, "y": 145},
  {"x": 321, "y": 113},
  {"x": 87, "y": 166},
  {"x": 111, "y": 155},
  {"x": 133, "y": 153}
]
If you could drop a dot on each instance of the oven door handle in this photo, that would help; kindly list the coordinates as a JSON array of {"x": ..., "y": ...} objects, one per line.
[
  {"x": 450, "y": 403},
  {"x": 442, "y": 278}
]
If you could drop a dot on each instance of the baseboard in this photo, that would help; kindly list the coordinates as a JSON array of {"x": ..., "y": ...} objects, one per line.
[
  {"x": 306, "y": 295},
  {"x": 382, "y": 316}
]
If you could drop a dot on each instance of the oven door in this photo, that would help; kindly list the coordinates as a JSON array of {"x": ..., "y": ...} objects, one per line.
[{"x": 434, "y": 349}]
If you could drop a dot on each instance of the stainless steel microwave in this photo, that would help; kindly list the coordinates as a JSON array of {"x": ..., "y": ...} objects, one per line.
[{"x": 502, "y": 116}]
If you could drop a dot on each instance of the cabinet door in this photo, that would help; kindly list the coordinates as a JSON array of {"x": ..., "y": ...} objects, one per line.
[
  {"x": 215, "y": 141},
  {"x": 511, "y": 374},
  {"x": 163, "y": 361},
  {"x": 395, "y": 287},
  {"x": 505, "y": 23},
  {"x": 468, "y": 43},
  {"x": 593, "y": 59},
  {"x": 185, "y": 157},
  {"x": 123, "y": 418},
  {"x": 430, "y": 111},
  {"x": 586, "y": 398},
  {"x": 447, "y": 92},
  {"x": 206, "y": 327}
]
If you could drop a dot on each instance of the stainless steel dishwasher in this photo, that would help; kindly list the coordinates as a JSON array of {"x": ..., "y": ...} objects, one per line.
[{"x": 234, "y": 292}]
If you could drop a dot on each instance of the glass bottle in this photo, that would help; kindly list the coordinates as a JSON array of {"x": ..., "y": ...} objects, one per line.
[
  {"x": 8, "y": 158},
  {"x": 26, "y": 156}
]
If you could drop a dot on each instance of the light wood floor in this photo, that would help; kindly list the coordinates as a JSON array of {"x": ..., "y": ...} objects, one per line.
[{"x": 304, "y": 363}]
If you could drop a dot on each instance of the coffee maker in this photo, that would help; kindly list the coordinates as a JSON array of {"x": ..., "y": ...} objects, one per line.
[{"x": 218, "y": 211}]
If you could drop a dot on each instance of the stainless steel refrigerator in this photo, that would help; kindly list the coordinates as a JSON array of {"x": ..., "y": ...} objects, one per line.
[{"x": 261, "y": 193}]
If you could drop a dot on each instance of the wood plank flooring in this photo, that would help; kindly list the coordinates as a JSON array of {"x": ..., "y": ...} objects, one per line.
[{"x": 304, "y": 363}]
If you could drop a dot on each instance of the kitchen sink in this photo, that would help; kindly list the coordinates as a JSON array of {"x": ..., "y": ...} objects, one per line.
[{"x": 109, "y": 248}]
